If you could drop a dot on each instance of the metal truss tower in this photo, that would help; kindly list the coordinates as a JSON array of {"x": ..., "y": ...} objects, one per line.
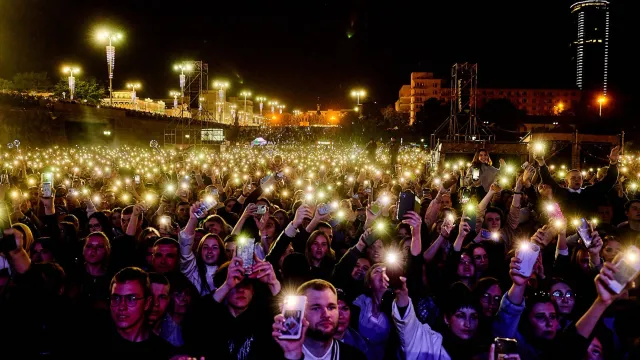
[
  {"x": 186, "y": 129},
  {"x": 462, "y": 125}
]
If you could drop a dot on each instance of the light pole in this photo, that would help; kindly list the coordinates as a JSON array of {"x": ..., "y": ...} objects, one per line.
[
  {"x": 221, "y": 86},
  {"x": 111, "y": 57},
  {"x": 281, "y": 107},
  {"x": 183, "y": 79},
  {"x": 357, "y": 94},
  {"x": 261, "y": 99},
  {"x": 175, "y": 95},
  {"x": 273, "y": 104},
  {"x": 133, "y": 87},
  {"x": 601, "y": 100},
  {"x": 245, "y": 94},
  {"x": 72, "y": 80}
]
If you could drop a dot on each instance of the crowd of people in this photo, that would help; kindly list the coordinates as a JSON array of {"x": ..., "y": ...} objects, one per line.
[{"x": 123, "y": 253}]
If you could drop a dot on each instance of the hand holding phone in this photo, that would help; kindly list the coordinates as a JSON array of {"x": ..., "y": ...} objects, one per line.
[
  {"x": 245, "y": 248},
  {"x": 627, "y": 265},
  {"x": 293, "y": 313}
]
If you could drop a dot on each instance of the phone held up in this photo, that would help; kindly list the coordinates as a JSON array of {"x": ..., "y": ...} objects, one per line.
[
  {"x": 628, "y": 264},
  {"x": 293, "y": 313},
  {"x": 47, "y": 185},
  {"x": 528, "y": 255},
  {"x": 406, "y": 203},
  {"x": 244, "y": 250},
  {"x": 505, "y": 346},
  {"x": 7, "y": 242}
]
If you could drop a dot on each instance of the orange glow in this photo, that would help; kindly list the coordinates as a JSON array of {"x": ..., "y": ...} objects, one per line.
[{"x": 602, "y": 100}]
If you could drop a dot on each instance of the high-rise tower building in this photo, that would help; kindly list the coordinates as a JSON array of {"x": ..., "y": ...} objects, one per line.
[{"x": 591, "y": 44}]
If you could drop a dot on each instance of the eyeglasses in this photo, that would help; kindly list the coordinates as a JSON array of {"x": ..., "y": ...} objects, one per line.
[
  {"x": 129, "y": 300},
  {"x": 569, "y": 295},
  {"x": 489, "y": 299}
]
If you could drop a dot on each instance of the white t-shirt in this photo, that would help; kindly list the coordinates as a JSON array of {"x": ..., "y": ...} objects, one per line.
[{"x": 331, "y": 354}]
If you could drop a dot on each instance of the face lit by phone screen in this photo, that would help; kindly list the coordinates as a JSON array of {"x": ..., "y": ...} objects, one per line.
[
  {"x": 322, "y": 313},
  {"x": 344, "y": 316},
  {"x": 543, "y": 320}
]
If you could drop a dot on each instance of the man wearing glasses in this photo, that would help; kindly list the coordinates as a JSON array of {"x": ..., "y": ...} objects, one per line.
[{"x": 130, "y": 300}]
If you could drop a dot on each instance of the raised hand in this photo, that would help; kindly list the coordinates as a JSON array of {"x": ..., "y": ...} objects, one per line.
[
  {"x": 602, "y": 282},
  {"x": 514, "y": 273},
  {"x": 615, "y": 154},
  {"x": 291, "y": 348},
  {"x": 235, "y": 273}
]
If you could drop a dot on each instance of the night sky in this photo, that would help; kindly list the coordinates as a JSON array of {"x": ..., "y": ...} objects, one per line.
[{"x": 297, "y": 51}]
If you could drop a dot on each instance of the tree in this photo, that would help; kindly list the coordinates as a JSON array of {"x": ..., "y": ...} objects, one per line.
[
  {"x": 87, "y": 89},
  {"x": 391, "y": 119},
  {"x": 32, "y": 82},
  {"x": 432, "y": 114},
  {"x": 5, "y": 85}
]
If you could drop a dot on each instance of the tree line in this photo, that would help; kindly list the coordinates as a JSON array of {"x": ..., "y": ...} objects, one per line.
[{"x": 86, "y": 88}]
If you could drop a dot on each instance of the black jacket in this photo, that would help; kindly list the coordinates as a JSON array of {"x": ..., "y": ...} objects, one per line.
[{"x": 586, "y": 201}]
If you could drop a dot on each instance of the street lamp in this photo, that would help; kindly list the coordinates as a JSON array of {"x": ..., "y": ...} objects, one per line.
[
  {"x": 133, "y": 87},
  {"x": 182, "y": 67},
  {"x": 601, "y": 100},
  {"x": 221, "y": 86},
  {"x": 72, "y": 80},
  {"x": 273, "y": 104},
  {"x": 261, "y": 99},
  {"x": 111, "y": 56},
  {"x": 281, "y": 107},
  {"x": 245, "y": 94},
  {"x": 357, "y": 94},
  {"x": 175, "y": 95}
]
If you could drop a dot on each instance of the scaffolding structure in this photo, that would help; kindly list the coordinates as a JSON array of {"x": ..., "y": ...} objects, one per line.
[
  {"x": 186, "y": 128},
  {"x": 462, "y": 125}
]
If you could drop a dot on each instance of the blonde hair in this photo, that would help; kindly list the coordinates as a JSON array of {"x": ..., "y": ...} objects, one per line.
[{"x": 27, "y": 240}]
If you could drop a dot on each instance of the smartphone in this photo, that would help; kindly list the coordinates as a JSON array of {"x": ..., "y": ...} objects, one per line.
[
  {"x": 449, "y": 218},
  {"x": 554, "y": 211},
  {"x": 465, "y": 196},
  {"x": 475, "y": 174},
  {"x": 628, "y": 264},
  {"x": 425, "y": 192},
  {"x": 244, "y": 250},
  {"x": 47, "y": 185},
  {"x": 293, "y": 312},
  {"x": 323, "y": 209},
  {"x": 394, "y": 268},
  {"x": 136, "y": 178},
  {"x": 279, "y": 175},
  {"x": 525, "y": 165},
  {"x": 528, "y": 254},
  {"x": 406, "y": 200},
  {"x": 505, "y": 346},
  {"x": 165, "y": 223},
  {"x": 470, "y": 216},
  {"x": 265, "y": 179},
  {"x": 205, "y": 205},
  {"x": 375, "y": 209},
  {"x": 486, "y": 234},
  {"x": 261, "y": 209},
  {"x": 584, "y": 231}
]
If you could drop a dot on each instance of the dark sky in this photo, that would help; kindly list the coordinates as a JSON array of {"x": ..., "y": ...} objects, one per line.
[{"x": 297, "y": 51}]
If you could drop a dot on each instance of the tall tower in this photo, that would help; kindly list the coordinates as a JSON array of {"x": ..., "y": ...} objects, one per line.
[{"x": 591, "y": 44}]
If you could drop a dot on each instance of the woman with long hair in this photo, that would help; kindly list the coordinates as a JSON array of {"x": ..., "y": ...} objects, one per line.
[
  {"x": 320, "y": 255},
  {"x": 481, "y": 172},
  {"x": 99, "y": 222}
]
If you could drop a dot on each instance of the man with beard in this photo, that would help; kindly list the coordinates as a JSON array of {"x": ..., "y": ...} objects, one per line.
[{"x": 319, "y": 327}]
